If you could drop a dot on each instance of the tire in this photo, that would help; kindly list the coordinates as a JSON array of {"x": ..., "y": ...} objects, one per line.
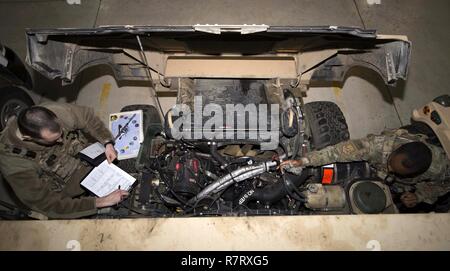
[
  {"x": 150, "y": 117},
  {"x": 12, "y": 101},
  {"x": 327, "y": 125}
]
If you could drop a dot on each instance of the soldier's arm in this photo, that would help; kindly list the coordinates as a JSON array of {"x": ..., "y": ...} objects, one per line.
[
  {"x": 36, "y": 194},
  {"x": 347, "y": 151},
  {"x": 429, "y": 192},
  {"x": 86, "y": 120}
]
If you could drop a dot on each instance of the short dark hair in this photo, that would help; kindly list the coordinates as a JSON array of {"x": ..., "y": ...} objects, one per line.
[
  {"x": 32, "y": 120},
  {"x": 417, "y": 157}
]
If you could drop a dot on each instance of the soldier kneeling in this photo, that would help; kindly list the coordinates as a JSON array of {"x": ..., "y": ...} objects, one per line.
[
  {"x": 39, "y": 159},
  {"x": 406, "y": 159}
]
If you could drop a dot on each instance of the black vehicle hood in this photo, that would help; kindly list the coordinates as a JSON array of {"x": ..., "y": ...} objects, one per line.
[{"x": 322, "y": 53}]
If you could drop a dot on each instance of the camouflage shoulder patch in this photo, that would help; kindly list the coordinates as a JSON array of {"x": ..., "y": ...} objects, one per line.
[
  {"x": 348, "y": 148},
  {"x": 400, "y": 132}
]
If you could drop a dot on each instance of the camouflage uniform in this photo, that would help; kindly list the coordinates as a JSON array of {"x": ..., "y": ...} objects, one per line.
[
  {"x": 47, "y": 179},
  {"x": 376, "y": 149}
]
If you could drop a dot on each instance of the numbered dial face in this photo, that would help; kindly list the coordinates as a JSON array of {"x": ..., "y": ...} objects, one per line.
[{"x": 126, "y": 128}]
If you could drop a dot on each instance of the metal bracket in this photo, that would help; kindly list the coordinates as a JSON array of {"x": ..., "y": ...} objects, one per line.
[
  {"x": 219, "y": 29},
  {"x": 68, "y": 63},
  {"x": 390, "y": 68}
]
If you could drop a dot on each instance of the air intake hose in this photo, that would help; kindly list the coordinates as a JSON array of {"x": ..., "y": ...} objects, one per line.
[{"x": 274, "y": 192}]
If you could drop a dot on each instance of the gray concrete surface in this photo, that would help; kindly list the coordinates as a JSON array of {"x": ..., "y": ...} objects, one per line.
[
  {"x": 329, "y": 232},
  {"x": 425, "y": 23},
  {"x": 182, "y": 12},
  {"x": 17, "y": 15}
]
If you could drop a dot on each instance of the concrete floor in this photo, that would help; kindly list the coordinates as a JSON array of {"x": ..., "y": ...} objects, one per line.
[{"x": 420, "y": 232}]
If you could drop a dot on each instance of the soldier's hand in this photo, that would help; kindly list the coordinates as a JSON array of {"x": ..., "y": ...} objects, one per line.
[
  {"x": 288, "y": 164},
  {"x": 110, "y": 153},
  {"x": 409, "y": 199},
  {"x": 111, "y": 199}
]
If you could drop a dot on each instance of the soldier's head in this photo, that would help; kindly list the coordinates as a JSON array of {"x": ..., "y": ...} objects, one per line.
[
  {"x": 410, "y": 159},
  {"x": 40, "y": 125}
]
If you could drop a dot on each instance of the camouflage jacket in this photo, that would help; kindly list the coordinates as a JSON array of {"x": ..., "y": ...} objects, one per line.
[
  {"x": 376, "y": 149},
  {"x": 47, "y": 179}
]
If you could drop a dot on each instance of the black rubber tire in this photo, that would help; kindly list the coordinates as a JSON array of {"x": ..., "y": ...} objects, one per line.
[
  {"x": 327, "y": 125},
  {"x": 7, "y": 94},
  {"x": 151, "y": 117}
]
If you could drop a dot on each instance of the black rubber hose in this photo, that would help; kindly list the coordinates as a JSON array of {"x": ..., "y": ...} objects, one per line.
[
  {"x": 296, "y": 147},
  {"x": 298, "y": 141},
  {"x": 217, "y": 156},
  {"x": 272, "y": 193}
]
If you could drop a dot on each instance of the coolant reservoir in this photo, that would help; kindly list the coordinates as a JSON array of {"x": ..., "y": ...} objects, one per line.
[{"x": 325, "y": 197}]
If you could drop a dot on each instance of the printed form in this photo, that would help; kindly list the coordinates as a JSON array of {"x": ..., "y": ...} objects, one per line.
[
  {"x": 107, "y": 178},
  {"x": 93, "y": 150}
]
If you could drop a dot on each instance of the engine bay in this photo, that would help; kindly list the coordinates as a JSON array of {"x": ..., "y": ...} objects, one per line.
[
  {"x": 181, "y": 180},
  {"x": 207, "y": 177}
]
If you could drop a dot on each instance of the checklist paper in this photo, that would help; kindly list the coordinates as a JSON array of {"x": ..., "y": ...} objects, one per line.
[
  {"x": 94, "y": 150},
  {"x": 106, "y": 178}
]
